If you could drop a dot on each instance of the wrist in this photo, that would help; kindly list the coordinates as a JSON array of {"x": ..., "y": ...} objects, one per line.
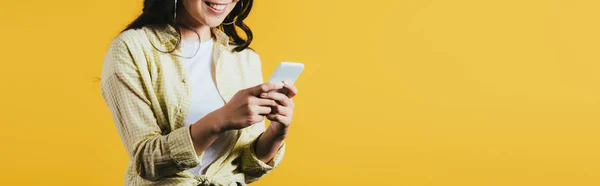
[
  {"x": 211, "y": 123},
  {"x": 268, "y": 144},
  {"x": 277, "y": 131},
  {"x": 219, "y": 121}
]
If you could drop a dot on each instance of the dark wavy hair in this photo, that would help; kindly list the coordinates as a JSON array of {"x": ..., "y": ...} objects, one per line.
[{"x": 161, "y": 12}]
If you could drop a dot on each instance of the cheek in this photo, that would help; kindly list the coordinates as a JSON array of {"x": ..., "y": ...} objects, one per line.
[
  {"x": 229, "y": 9},
  {"x": 194, "y": 8}
]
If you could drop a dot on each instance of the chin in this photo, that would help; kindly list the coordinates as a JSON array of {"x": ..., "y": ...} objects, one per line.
[{"x": 212, "y": 22}]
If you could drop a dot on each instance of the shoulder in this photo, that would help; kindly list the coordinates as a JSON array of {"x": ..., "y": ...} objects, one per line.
[
  {"x": 123, "y": 51},
  {"x": 130, "y": 37},
  {"x": 128, "y": 42},
  {"x": 139, "y": 42},
  {"x": 125, "y": 42}
]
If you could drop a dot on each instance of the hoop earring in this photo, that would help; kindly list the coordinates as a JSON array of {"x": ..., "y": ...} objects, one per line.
[
  {"x": 175, "y": 12},
  {"x": 232, "y": 22}
]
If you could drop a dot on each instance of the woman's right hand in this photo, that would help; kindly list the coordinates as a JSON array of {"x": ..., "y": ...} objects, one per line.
[{"x": 246, "y": 107}]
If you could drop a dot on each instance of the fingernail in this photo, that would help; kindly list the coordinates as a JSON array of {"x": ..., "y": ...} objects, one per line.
[{"x": 264, "y": 94}]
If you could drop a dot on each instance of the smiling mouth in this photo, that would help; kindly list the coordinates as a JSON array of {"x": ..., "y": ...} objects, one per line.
[{"x": 216, "y": 7}]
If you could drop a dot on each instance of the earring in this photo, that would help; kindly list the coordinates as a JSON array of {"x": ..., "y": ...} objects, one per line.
[
  {"x": 175, "y": 12},
  {"x": 230, "y": 23}
]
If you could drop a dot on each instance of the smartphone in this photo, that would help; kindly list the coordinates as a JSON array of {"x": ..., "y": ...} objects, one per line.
[{"x": 286, "y": 71}]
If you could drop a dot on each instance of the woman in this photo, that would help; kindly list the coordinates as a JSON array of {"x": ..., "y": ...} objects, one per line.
[{"x": 188, "y": 99}]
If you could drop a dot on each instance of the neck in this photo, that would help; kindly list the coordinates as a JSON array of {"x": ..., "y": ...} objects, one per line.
[{"x": 191, "y": 24}]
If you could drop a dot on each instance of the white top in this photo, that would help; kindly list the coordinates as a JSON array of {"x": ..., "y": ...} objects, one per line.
[{"x": 205, "y": 97}]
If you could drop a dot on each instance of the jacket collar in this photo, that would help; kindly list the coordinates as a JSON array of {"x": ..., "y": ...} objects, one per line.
[{"x": 164, "y": 37}]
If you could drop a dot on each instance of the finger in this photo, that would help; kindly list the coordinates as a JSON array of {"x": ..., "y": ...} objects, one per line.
[
  {"x": 278, "y": 118},
  {"x": 281, "y": 110},
  {"x": 263, "y": 110},
  {"x": 291, "y": 89},
  {"x": 265, "y": 102},
  {"x": 265, "y": 87},
  {"x": 277, "y": 96},
  {"x": 257, "y": 118}
]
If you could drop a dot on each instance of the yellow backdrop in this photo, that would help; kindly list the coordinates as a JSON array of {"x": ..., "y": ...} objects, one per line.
[{"x": 416, "y": 93}]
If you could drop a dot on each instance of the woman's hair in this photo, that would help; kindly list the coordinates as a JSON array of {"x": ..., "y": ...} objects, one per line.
[{"x": 160, "y": 12}]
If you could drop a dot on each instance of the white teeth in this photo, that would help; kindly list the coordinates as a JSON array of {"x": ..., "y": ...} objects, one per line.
[{"x": 217, "y": 7}]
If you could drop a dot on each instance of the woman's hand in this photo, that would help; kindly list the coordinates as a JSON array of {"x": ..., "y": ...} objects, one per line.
[
  {"x": 281, "y": 114},
  {"x": 246, "y": 108},
  {"x": 243, "y": 110},
  {"x": 268, "y": 144}
]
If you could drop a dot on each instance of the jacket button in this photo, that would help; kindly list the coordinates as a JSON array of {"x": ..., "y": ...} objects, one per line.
[{"x": 183, "y": 80}]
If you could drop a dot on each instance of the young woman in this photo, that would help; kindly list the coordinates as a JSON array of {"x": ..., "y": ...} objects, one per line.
[{"x": 188, "y": 98}]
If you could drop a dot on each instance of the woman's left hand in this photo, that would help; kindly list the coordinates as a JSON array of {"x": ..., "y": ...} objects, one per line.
[{"x": 281, "y": 115}]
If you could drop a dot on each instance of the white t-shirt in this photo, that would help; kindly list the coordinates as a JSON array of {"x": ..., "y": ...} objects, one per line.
[{"x": 205, "y": 97}]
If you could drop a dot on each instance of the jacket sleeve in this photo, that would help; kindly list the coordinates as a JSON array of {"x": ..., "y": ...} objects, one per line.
[
  {"x": 253, "y": 167},
  {"x": 153, "y": 153}
]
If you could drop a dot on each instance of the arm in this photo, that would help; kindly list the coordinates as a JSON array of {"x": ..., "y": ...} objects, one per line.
[
  {"x": 154, "y": 153},
  {"x": 205, "y": 131},
  {"x": 265, "y": 150},
  {"x": 268, "y": 144},
  {"x": 252, "y": 166},
  {"x": 281, "y": 117}
]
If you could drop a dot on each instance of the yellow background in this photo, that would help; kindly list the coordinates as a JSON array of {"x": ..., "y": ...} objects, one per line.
[{"x": 416, "y": 93}]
